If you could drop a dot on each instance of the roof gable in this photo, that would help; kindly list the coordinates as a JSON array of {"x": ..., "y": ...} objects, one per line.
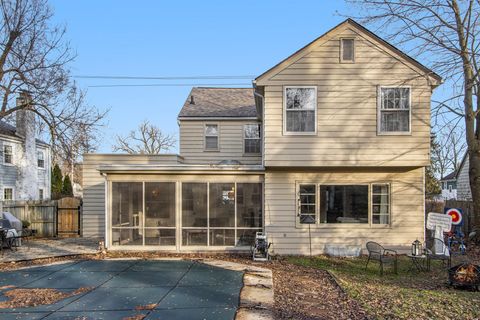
[{"x": 349, "y": 23}]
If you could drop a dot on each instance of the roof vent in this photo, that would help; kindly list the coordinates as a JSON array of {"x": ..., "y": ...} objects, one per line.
[{"x": 192, "y": 100}]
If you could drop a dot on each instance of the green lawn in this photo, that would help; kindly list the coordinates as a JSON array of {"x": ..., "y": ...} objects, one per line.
[{"x": 408, "y": 295}]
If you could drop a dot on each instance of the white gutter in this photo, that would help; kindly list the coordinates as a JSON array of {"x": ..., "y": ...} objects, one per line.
[{"x": 180, "y": 168}]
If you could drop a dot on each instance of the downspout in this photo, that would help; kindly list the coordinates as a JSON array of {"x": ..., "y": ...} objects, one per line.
[
  {"x": 106, "y": 238},
  {"x": 262, "y": 98}
]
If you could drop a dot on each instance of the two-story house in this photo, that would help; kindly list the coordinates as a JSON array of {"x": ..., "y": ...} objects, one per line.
[
  {"x": 328, "y": 147},
  {"x": 24, "y": 160}
]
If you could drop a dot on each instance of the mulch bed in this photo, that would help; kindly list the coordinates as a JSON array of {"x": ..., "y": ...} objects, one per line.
[{"x": 21, "y": 298}]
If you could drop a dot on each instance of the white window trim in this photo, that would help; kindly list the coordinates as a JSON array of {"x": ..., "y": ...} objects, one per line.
[
  {"x": 341, "y": 50},
  {"x": 245, "y": 138},
  {"x": 13, "y": 153},
  {"x": 318, "y": 205},
  {"x": 379, "y": 116},
  {"x": 13, "y": 192},
  {"x": 290, "y": 133},
  {"x": 44, "y": 159},
  {"x": 205, "y": 137}
]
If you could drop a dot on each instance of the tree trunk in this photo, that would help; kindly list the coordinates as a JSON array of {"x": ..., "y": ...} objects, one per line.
[{"x": 474, "y": 174}]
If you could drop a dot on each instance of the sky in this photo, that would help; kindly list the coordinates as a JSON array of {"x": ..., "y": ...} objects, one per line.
[{"x": 179, "y": 38}]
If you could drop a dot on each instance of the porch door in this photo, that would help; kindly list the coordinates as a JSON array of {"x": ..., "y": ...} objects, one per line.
[{"x": 160, "y": 212}]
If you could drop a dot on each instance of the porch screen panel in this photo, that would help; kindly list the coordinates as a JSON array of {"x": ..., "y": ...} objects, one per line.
[
  {"x": 194, "y": 214},
  {"x": 127, "y": 213},
  {"x": 160, "y": 213},
  {"x": 222, "y": 214},
  {"x": 249, "y": 212}
]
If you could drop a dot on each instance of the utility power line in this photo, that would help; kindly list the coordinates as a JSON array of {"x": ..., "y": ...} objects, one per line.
[
  {"x": 164, "y": 77},
  {"x": 169, "y": 85}
]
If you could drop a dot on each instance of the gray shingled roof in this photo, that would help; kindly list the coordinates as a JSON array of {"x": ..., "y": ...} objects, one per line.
[
  {"x": 449, "y": 176},
  {"x": 219, "y": 102},
  {"x": 9, "y": 130}
]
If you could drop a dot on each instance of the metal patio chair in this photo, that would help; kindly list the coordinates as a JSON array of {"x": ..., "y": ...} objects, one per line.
[
  {"x": 378, "y": 253},
  {"x": 436, "y": 249}
]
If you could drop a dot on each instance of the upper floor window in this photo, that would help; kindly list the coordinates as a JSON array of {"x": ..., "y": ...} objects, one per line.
[
  {"x": 211, "y": 137},
  {"x": 7, "y": 154},
  {"x": 251, "y": 136},
  {"x": 300, "y": 110},
  {"x": 394, "y": 110},
  {"x": 7, "y": 193},
  {"x": 41, "y": 159},
  {"x": 347, "y": 50}
]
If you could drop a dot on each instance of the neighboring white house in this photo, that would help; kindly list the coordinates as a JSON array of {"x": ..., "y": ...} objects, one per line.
[
  {"x": 449, "y": 186},
  {"x": 463, "y": 180},
  {"x": 24, "y": 161}
]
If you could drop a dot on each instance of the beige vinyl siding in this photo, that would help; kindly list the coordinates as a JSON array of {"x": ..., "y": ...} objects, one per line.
[
  {"x": 93, "y": 215},
  {"x": 463, "y": 181},
  {"x": 347, "y": 109},
  {"x": 230, "y": 142},
  {"x": 288, "y": 237}
]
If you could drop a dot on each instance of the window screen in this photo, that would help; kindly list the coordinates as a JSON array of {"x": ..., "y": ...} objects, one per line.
[{"x": 348, "y": 50}]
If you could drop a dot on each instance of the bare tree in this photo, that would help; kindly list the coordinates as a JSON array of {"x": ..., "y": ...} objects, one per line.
[
  {"x": 445, "y": 34},
  {"x": 34, "y": 58},
  {"x": 147, "y": 139},
  {"x": 448, "y": 148}
]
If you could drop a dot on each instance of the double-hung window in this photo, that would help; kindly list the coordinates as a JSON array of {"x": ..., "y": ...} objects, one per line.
[
  {"x": 300, "y": 110},
  {"x": 7, "y": 154},
  {"x": 380, "y": 204},
  {"x": 41, "y": 159},
  {"x": 211, "y": 137},
  {"x": 7, "y": 193},
  {"x": 252, "y": 138},
  {"x": 394, "y": 110},
  {"x": 40, "y": 194}
]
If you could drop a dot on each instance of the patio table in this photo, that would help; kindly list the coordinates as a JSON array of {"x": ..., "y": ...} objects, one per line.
[{"x": 419, "y": 262}]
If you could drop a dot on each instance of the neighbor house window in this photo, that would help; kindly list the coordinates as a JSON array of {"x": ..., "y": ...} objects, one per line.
[
  {"x": 41, "y": 159},
  {"x": 252, "y": 141},
  {"x": 300, "y": 110},
  {"x": 211, "y": 137},
  {"x": 7, "y": 154},
  {"x": 307, "y": 203},
  {"x": 347, "y": 50},
  {"x": 40, "y": 194},
  {"x": 380, "y": 204},
  {"x": 344, "y": 203},
  {"x": 394, "y": 113},
  {"x": 7, "y": 193}
]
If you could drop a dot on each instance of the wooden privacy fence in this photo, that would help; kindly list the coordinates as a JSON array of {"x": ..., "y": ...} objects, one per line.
[{"x": 49, "y": 217}]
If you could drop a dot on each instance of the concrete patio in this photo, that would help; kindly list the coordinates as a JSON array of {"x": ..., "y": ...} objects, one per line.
[{"x": 49, "y": 248}]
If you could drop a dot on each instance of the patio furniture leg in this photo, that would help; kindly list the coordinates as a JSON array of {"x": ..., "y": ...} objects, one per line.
[
  {"x": 381, "y": 268},
  {"x": 368, "y": 260},
  {"x": 395, "y": 265}
]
